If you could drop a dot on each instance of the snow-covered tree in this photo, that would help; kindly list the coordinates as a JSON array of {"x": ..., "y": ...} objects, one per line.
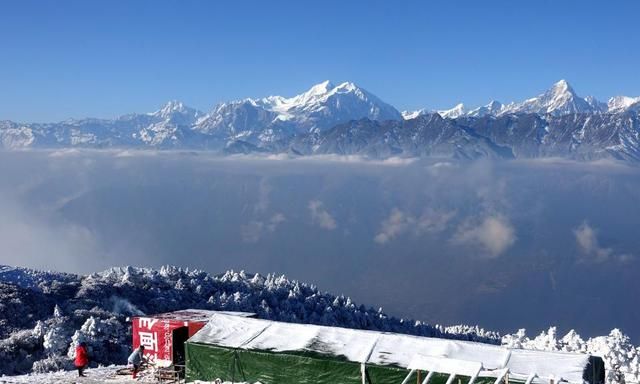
[{"x": 621, "y": 358}]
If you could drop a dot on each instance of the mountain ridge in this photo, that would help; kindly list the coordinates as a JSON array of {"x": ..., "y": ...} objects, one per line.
[{"x": 563, "y": 124}]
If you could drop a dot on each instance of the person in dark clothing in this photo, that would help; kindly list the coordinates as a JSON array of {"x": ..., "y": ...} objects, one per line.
[
  {"x": 82, "y": 358},
  {"x": 136, "y": 358}
]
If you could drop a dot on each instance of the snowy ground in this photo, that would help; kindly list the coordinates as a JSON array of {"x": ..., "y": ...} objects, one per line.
[{"x": 94, "y": 376}]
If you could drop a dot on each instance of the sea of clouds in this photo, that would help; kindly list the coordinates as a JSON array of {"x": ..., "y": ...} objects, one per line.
[{"x": 504, "y": 245}]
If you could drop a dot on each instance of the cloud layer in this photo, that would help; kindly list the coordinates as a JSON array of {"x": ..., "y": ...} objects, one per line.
[{"x": 374, "y": 232}]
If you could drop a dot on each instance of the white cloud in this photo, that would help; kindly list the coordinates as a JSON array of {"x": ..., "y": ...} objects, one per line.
[
  {"x": 433, "y": 221},
  {"x": 400, "y": 222},
  {"x": 587, "y": 241},
  {"x": 320, "y": 216},
  {"x": 494, "y": 234},
  {"x": 256, "y": 229},
  {"x": 397, "y": 223},
  {"x": 264, "y": 189}
]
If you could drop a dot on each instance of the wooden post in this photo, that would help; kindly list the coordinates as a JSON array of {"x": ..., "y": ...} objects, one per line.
[
  {"x": 418, "y": 381},
  {"x": 506, "y": 378}
]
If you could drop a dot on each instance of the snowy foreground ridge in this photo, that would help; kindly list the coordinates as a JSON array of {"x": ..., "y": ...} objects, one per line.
[
  {"x": 107, "y": 375},
  {"x": 44, "y": 314}
]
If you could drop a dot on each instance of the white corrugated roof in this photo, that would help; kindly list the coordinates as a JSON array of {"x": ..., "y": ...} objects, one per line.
[
  {"x": 445, "y": 365},
  {"x": 194, "y": 315},
  {"x": 382, "y": 348}
]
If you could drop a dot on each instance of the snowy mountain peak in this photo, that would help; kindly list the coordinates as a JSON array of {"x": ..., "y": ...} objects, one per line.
[
  {"x": 561, "y": 87},
  {"x": 347, "y": 86},
  {"x": 597, "y": 105},
  {"x": 493, "y": 104},
  {"x": 491, "y": 109},
  {"x": 324, "y": 105},
  {"x": 320, "y": 92},
  {"x": 559, "y": 93},
  {"x": 454, "y": 112},
  {"x": 408, "y": 115},
  {"x": 173, "y": 108},
  {"x": 320, "y": 89},
  {"x": 622, "y": 103},
  {"x": 314, "y": 94},
  {"x": 560, "y": 99}
]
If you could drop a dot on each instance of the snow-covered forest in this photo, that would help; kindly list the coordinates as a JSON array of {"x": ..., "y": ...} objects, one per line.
[{"x": 44, "y": 314}]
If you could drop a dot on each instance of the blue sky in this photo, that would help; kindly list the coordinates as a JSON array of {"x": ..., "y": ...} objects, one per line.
[{"x": 62, "y": 59}]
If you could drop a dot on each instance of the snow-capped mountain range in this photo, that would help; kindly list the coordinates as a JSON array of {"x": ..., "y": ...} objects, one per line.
[{"x": 557, "y": 122}]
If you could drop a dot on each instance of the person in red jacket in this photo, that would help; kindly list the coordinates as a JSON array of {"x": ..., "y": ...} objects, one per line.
[{"x": 82, "y": 359}]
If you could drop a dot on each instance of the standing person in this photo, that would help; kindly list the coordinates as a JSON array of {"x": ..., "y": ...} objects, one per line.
[
  {"x": 136, "y": 359},
  {"x": 82, "y": 358}
]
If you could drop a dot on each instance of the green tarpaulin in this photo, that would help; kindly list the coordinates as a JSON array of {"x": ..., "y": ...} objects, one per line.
[{"x": 207, "y": 363}]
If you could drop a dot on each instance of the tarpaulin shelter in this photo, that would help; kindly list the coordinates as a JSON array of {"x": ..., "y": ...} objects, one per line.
[
  {"x": 236, "y": 349},
  {"x": 163, "y": 335}
]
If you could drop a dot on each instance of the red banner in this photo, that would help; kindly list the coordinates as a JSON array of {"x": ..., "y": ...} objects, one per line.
[{"x": 157, "y": 337}]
